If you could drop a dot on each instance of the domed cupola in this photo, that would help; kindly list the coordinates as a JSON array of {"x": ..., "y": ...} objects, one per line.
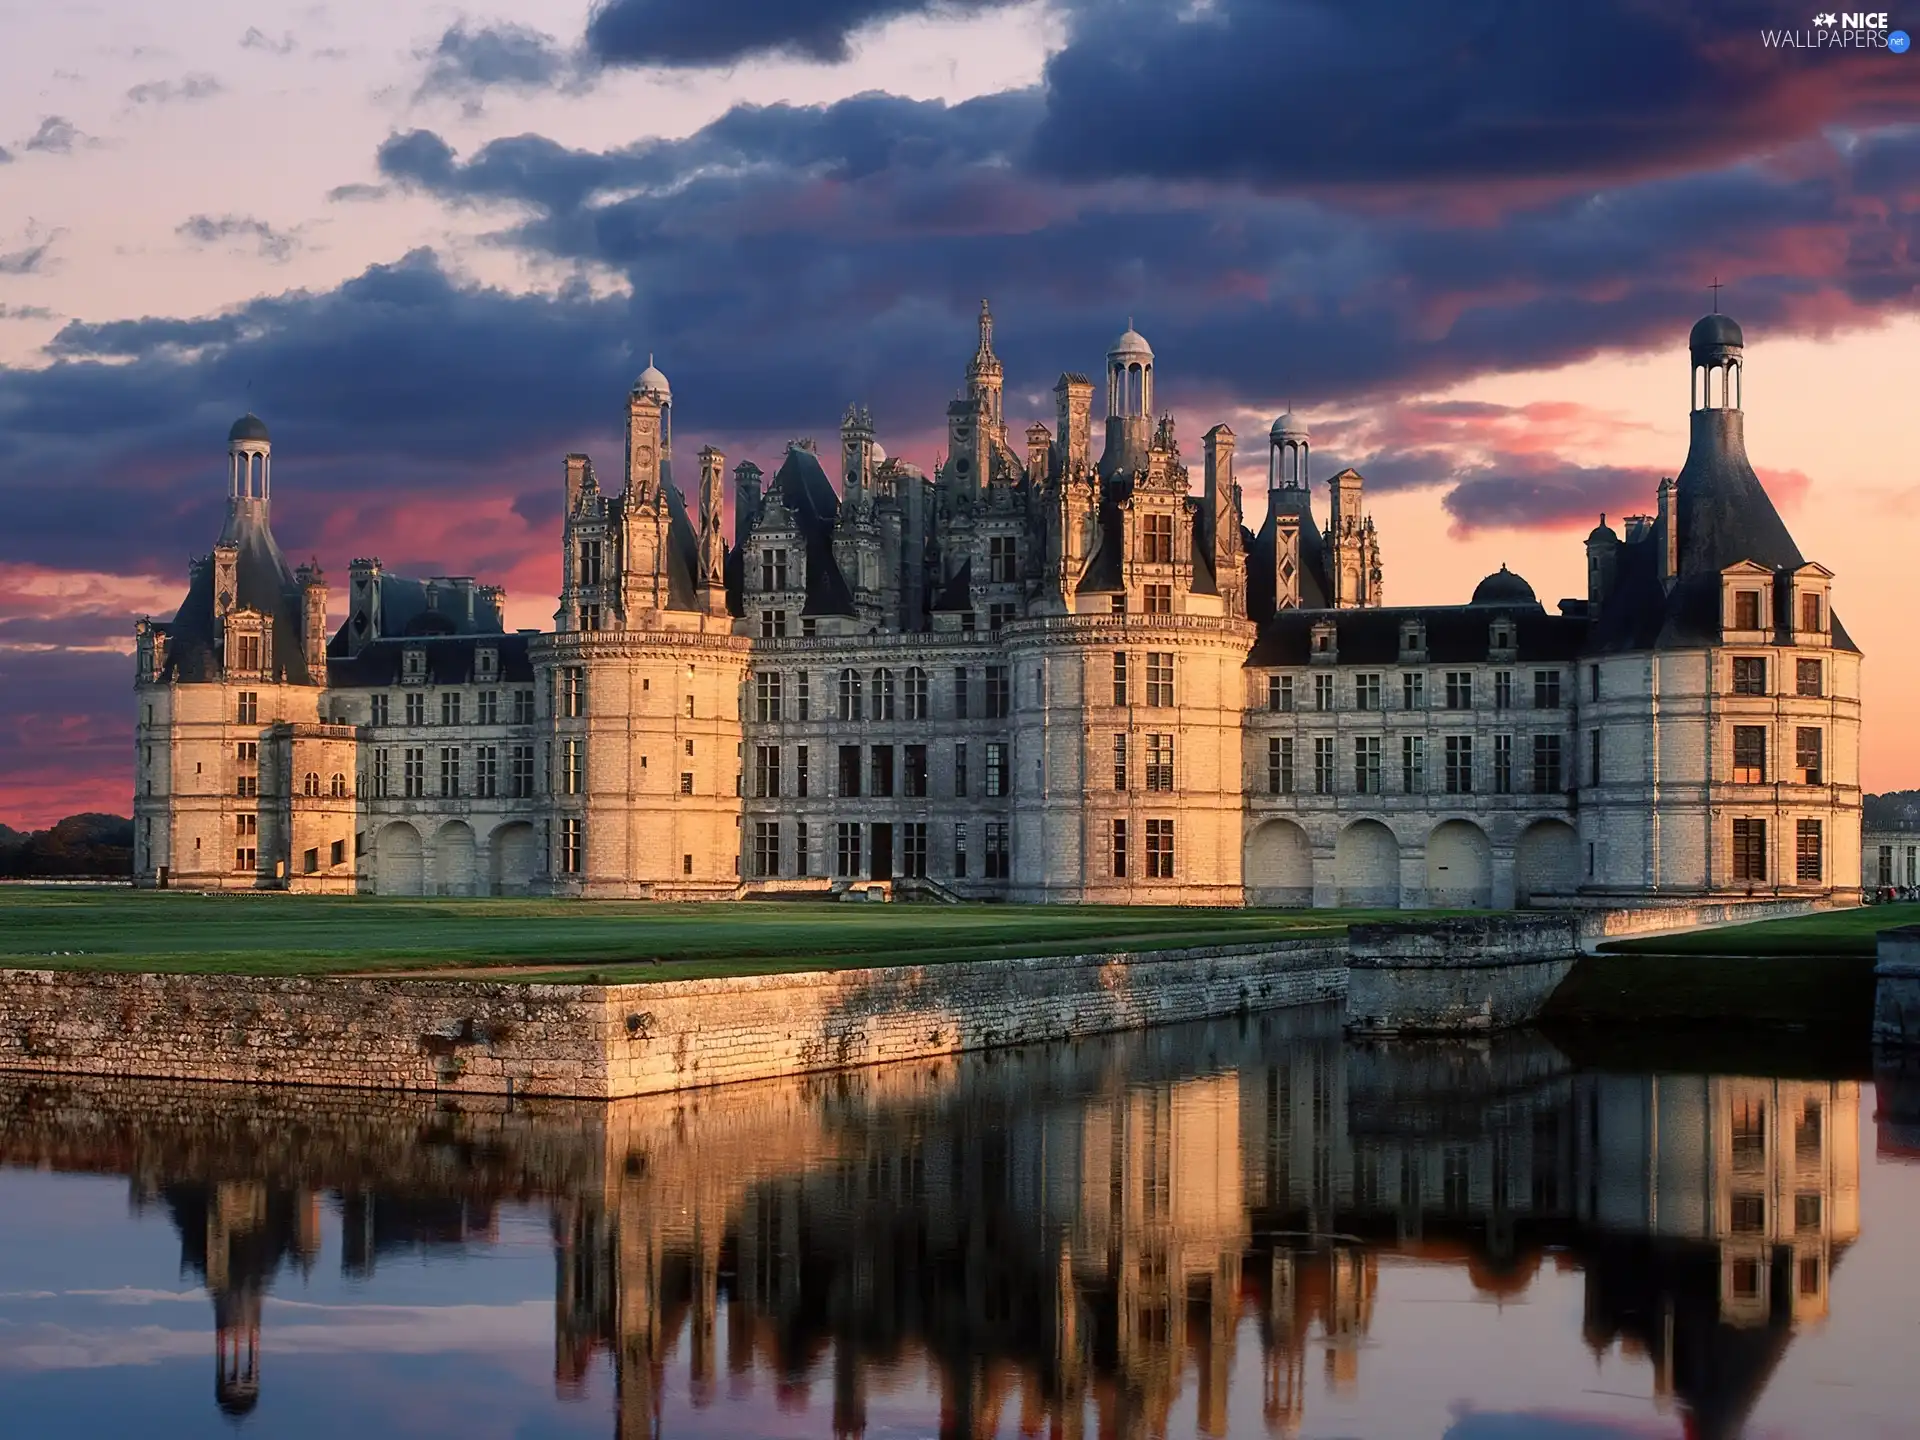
[
  {"x": 249, "y": 427},
  {"x": 1130, "y": 375},
  {"x": 1288, "y": 453},
  {"x": 1503, "y": 587}
]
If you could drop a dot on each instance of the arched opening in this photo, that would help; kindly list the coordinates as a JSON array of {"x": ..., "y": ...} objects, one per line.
[
  {"x": 1459, "y": 866},
  {"x": 1546, "y": 862},
  {"x": 1366, "y": 866},
  {"x": 397, "y": 860},
  {"x": 513, "y": 859},
  {"x": 1279, "y": 865},
  {"x": 453, "y": 859}
]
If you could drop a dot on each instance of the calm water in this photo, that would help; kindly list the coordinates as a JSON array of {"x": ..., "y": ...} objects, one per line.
[{"x": 1240, "y": 1229}]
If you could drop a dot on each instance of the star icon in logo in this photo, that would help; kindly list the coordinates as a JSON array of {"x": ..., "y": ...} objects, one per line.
[{"x": 1825, "y": 18}]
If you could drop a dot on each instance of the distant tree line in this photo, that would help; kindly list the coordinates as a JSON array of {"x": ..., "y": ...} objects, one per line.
[
  {"x": 1895, "y": 810},
  {"x": 80, "y": 845}
]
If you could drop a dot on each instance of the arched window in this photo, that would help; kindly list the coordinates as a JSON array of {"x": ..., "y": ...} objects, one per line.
[
  {"x": 883, "y": 695},
  {"x": 916, "y": 693},
  {"x": 337, "y": 787},
  {"x": 849, "y": 694},
  {"x": 312, "y": 786}
]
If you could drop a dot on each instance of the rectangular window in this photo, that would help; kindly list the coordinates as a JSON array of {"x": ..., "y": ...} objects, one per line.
[
  {"x": 1157, "y": 598},
  {"x": 960, "y": 779},
  {"x": 1117, "y": 604},
  {"x": 416, "y": 708},
  {"x": 881, "y": 772},
  {"x": 449, "y": 770},
  {"x": 573, "y": 767},
  {"x": 1749, "y": 675},
  {"x": 1003, "y": 560},
  {"x": 1885, "y": 874},
  {"x": 1459, "y": 689},
  {"x": 589, "y": 562},
  {"x": 1118, "y": 849},
  {"x": 337, "y": 853},
  {"x": 1749, "y": 754},
  {"x": 996, "y": 768},
  {"x": 486, "y": 771},
  {"x": 849, "y": 692},
  {"x": 1750, "y": 850},
  {"x": 1160, "y": 849},
  {"x": 1120, "y": 677},
  {"x": 247, "y": 786},
  {"x": 913, "y": 780},
  {"x": 686, "y": 782},
  {"x": 377, "y": 710},
  {"x": 1156, "y": 534},
  {"x": 802, "y": 848},
  {"x": 488, "y": 712},
  {"x": 1808, "y": 755},
  {"x": 802, "y": 772},
  {"x": 1159, "y": 677},
  {"x": 1546, "y": 765},
  {"x": 1807, "y": 868},
  {"x": 1546, "y": 689},
  {"x": 1808, "y": 678},
  {"x": 1160, "y": 762},
  {"x": 803, "y": 695},
  {"x": 1593, "y": 682},
  {"x": 766, "y": 696},
  {"x": 1323, "y": 765},
  {"x": 1366, "y": 692},
  {"x": 245, "y": 825},
  {"x": 573, "y": 691},
  {"x": 1458, "y": 774},
  {"x": 960, "y": 852},
  {"x": 999, "y": 852},
  {"x": 1593, "y": 757},
  {"x": 1746, "y": 609},
  {"x": 570, "y": 846},
  {"x": 249, "y": 656},
  {"x": 523, "y": 707},
  {"x": 520, "y": 766},
  {"x": 766, "y": 849},
  {"x": 590, "y": 617},
  {"x": 449, "y": 707},
  {"x": 1503, "y": 689},
  {"x": 913, "y": 850},
  {"x": 1810, "y": 608},
  {"x": 773, "y": 570},
  {"x": 415, "y": 762},
  {"x": 382, "y": 773},
  {"x": 918, "y": 706},
  {"x": 1413, "y": 690},
  {"x": 246, "y": 858},
  {"x": 766, "y": 771},
  {"x": 959, "y": 692},
  {"x": 1280, "y": 765},
  {"x": 999, "y": 692},
  {"x": 1323, "y": 692},
  {"x": 1413, "y": 764},
  {"x": 1000, "y": 613},
  {"x": 850, "y": 771},
  {"x": 1366, "y": 764},
  {"x": 1503, "y": 764},
  {"x": 1120, "y": 762},
  {"x": 1280, "y": 693},
  {"x": 247, "y": 708}
]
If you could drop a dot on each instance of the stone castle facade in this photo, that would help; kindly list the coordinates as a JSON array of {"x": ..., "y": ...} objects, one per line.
[{"x": 1036, "y": 674}]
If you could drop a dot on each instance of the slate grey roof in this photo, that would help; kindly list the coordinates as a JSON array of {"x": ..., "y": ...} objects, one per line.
[
  {"x": 1315, "y": 590},
  {"x": 1455, "y": 635},
  {"x": 450, "y": 660},
  {"x": 1503, "y": 587},
  {"x": 263, "y": 582},
  {"x": 803, "y": 488},
  {"x": 248, "y": 427}
]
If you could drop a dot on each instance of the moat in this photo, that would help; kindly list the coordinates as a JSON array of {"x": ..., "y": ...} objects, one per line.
[{"x": 1241, "y": 1228}]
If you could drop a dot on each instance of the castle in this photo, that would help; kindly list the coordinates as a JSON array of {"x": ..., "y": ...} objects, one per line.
[{"x": 1035, "y": 675}]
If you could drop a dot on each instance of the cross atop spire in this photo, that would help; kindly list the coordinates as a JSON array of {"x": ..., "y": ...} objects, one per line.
[{"x": 1715, "y": 288}]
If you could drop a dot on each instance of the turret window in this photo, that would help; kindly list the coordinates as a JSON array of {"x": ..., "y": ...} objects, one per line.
[
  {"x": 773, "y": 570},
  {"x": 1811, "y": 611},
  {"x": 1003, "y": 559},
  {"x": 1749, "y": 754},
  {"x": 773, "y": 624},
  {"x": 1750, "y": 850},
  {"x": 337, "y": 786},
  {"x": 310, "y": 784},
  {"x": 1156, "y": 535},
  {"x": 1808, "y": 679},
  {"x": 918, "y": 704},
  {"x": 1749, "y": 675},
  {"x": 1157, "y": 598},
  {"x": 589, "y": 562},
  {"x": 1809, "y": 754},
  {"x": 883, "y": 695},
  {"x": 247, "y": 708},
  {"x": 850, "y": 706},
  {"x": 1746, "y": 609}
]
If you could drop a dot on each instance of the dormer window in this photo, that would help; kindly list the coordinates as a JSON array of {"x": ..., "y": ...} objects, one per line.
[
  {"x": 1746, "y": 609},
  {"x": 773, "y": 569},
  {"x": 413, "y": 664},
  {"x": 1812, "y": 612},
  {"x": 1325, "y": 642},
  {"x": 1502, "y": 635},
  {"x": 486, "y": 664},
  {"x": 1413, "y": 638}
]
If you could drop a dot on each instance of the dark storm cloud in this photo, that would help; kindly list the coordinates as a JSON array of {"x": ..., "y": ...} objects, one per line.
[
  {"x": 695, "y": 33},
  {"x": 1345, "y": 93},
  {"x": 469, "y": 59}
]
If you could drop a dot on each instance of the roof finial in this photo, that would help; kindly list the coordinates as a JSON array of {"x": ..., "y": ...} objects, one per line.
[
  {"x": 1715, "y": 287},
  {"x": 649, "y": 358}
]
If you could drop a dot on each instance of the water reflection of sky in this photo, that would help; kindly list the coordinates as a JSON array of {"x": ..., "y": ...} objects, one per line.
[{"x": 987, "y": 1248}]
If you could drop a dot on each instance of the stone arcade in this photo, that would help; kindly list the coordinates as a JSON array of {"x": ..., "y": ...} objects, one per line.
[{"x": 1034, "y": 675}]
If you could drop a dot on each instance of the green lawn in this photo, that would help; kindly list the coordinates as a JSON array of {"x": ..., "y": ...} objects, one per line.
[
  {"x": 273, "y": 934},
  {"x": 1832, "y": 932}
]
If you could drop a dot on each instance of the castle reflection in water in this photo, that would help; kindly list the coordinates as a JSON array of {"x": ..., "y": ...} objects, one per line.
[{"x": 1077, "y": 1232}]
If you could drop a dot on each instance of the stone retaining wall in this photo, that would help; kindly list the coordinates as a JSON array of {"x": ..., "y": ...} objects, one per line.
[
  {"x": 1896, "y": 992},
  {"x": 1625, "y": 922},
  {"x": 1444, "y": 976},
  {"x": 606, "y": 1041}
]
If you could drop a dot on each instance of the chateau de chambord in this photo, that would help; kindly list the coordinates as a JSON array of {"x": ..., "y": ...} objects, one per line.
[{"x": 1061, "y": 668}]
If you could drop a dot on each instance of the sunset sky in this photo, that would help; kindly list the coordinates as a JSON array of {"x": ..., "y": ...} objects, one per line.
[{"x": 431, "y": 246}]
